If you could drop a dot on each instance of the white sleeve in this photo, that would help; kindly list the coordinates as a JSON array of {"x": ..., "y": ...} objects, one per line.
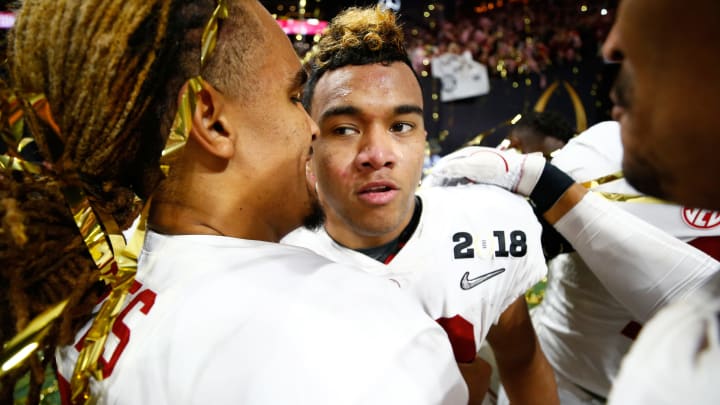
[{"x": 640, "y": 265}]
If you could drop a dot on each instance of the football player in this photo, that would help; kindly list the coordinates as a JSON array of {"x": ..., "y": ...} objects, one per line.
[{"x": 466, "y": 254}]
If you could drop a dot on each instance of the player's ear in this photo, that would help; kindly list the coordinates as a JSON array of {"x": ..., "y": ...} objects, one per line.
[
  {"x": 309, "y": 173},
  {"x": 210, "y": 127}
]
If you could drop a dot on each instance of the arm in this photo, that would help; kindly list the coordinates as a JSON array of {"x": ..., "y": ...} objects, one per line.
[
  {"x": 477, "y": 377},
  {"x": 641, "y": 266},
  {"x": 524, "y": 370}
]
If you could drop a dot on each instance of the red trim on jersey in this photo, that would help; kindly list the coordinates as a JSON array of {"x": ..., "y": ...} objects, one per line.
[
  {"x": 708, "y": 244},
  {"x": 462, "y": 337},
  {"x": 507, "y": 166},
  {"x": 64, "y": 388},
  {"x": 392, "y": 255}
]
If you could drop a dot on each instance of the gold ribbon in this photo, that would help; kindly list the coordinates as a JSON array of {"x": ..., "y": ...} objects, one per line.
[
  {"x": 13, "y": 134},
  {"x": 618, "y": 197},
  {"x": 182, "y": 123},
  {"x": 100, "y": 233},
  {"x": 209, "y": 37},
  {"x": 477, "y": 139},
  {"x": 590, "y": 184},
  {"x": 27, "y": 341},
  {"x": 106, "y": 246}
]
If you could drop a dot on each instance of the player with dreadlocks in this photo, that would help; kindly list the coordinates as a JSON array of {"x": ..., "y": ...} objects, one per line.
[
  {"x": 215, "y": 313},
  {"x": 465, "y": 254}
]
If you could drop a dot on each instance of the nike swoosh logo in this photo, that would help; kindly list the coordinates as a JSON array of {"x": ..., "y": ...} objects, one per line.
[{"x": 467, "y": 283}]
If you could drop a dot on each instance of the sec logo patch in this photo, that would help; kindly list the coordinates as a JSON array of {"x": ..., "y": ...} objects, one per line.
[{"x": 701, "y": 218}]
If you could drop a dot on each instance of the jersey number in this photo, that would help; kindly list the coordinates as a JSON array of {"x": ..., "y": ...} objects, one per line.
[
  {"x": 515, "y": 245},
  {"x": 143, "y": 301}
]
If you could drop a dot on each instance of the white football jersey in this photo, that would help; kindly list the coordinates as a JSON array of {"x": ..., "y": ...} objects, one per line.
[
  {"x": 475, "y": 250},
  {"x": 676, "y": 359},
  {"x": 218, "y": 320},
  {"x": 583, "y": 329}
]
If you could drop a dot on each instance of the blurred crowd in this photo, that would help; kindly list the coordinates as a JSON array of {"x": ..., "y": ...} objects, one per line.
[
  {"x": 514, "y": 37},
  {"x": 510, "y": 37}
]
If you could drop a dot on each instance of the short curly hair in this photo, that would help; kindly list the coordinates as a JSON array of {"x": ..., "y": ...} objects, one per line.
[{"x": 357, "y": 36}]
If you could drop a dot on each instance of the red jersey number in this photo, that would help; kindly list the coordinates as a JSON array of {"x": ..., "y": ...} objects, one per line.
[{"x": 142, "y": 301}]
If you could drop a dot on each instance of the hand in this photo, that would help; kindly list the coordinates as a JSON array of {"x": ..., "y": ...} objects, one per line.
[{"x": 508, "y": 169}]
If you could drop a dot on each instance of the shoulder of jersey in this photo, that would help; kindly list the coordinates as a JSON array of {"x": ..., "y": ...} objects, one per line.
[
  {"x": 595, "y": 152},
  {"x": 472, "y": 198},
  {"x": 303, "y": 237},
  {"x": 318, "y": 242}
]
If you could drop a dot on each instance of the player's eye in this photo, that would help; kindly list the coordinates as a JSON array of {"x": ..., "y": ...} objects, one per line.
[
  {"x": 402, "y": 127},
  {"x": 345, "y": 130}
]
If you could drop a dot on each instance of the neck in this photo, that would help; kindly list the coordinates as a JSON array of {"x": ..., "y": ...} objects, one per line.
[{"x": 203, "y": 204}]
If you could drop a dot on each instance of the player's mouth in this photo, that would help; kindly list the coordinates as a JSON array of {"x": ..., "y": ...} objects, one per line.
[{"x": 378, "y": 193}]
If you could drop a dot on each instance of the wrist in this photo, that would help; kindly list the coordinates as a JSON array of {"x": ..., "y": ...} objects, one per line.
[
  {"x": 565, "y": 203},
  {"x": 550, "y": 187}
]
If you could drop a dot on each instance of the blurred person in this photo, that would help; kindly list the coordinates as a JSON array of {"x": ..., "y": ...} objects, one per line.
[
  {"x": 536, "y": 131},
  {"x": 217, "y": 311},
  {"x": 467, "y": 255},
  {"x": 669, "y": 152}
]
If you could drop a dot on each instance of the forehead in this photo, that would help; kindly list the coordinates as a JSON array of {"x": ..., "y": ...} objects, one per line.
[
  {"x": 367, "y": 86},
  {"x": 280, "y": 59}
]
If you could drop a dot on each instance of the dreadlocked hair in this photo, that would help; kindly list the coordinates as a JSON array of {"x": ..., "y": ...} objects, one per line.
[
  {"x": 111, "y": 71},
  {"x": 357, "y": 36}
]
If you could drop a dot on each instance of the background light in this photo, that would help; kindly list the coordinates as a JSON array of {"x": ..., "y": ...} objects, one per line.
[{"x": 7, "y": 19}]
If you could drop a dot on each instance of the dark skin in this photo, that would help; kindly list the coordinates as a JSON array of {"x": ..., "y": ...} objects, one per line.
[
  {"x": 520, "y": 359},
  {"x": 479, "y": 372},
  {"x": 528, "y": 141}
]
